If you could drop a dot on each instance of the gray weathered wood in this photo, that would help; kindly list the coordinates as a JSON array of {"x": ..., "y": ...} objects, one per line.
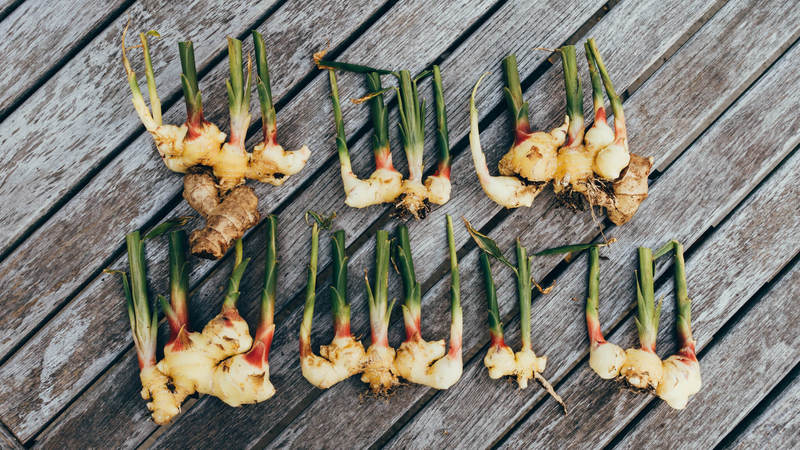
[
  {"x": 780, "y": 420},
  {"x": 7, "y": 5},
  {"x": 429, "y": 250},
  {"x": 694, "y": 219},
  {"x": 59, "y": 278},
  {"x": 87, "y": 230},
  {"x": 82, "y": 113},
  {"x": 34, "y": 46},
  {"x": 722, "y": 275},
  {"x": 434, "y": 46}
]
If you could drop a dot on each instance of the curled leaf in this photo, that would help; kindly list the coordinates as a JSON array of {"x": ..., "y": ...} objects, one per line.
[
  {"x": 486, "y": 244},
  {"x": 167, "y": 226},
  {"x": 324, "y": 221}
]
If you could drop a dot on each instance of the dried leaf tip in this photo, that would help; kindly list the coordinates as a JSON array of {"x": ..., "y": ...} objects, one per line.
[{"x": 321, "y": 54}]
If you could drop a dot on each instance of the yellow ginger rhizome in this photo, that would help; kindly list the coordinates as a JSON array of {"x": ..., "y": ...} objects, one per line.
[
  {"x": 222, "y": 360},
  {"x": 674, "y": 379},
  {"x": 413, "y": 195},
  {"x": 500, "y": 360},
  {"x": 380, "y": 366},
  {"x": 594, "y": 165},
  {"x": 215, "y": 169}
]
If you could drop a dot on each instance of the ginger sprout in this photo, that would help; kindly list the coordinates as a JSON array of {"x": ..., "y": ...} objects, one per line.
[
  {"x": 143, "y": 316},
  {"x": 344, "y": 356},
  {"x": 500, "y": 360},
  {"x": 681, "y": 371},
  {"x": 385, "y": 183},
  {"x": 642, "y": 367},
  {"x": 418, "y": 360},
  {"x": 379, "y": 368}
]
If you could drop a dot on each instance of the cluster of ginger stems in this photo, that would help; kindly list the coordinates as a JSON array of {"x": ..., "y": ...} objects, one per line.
[
  {"x": 223, "y": 359},
  {"x": 594, "y": 165},
  {"x": 412, "y": 195},
  {"x": 416, "y": 360},
  {"x": 215, "y": 169},
  {"x": 675, "y": 379}
]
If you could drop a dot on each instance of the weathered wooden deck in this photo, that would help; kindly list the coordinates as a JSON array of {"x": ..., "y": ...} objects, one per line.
[{"x": 710, "y": 92}]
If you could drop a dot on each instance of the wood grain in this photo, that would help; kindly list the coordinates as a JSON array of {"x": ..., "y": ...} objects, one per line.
[
  {"x": 781, "y": 420},
  {"x": 34, "y": 46},
  {"x": 7, "y": 440},
  {"x": 79, "y": 117},
  {"x": 89, "y": 228},
  {"x": 290, "y": 271},
  {"x": 107, "y": 353},
  {"x": 669, "y": 218}
]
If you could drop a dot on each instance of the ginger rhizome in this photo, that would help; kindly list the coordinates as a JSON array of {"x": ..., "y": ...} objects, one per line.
[
  {"x": 414, "y": 194},
  {"x": 681, "y": 372},
  {"x": 500, "y": 359},
  {"x": 532, "y": 155},
  {"x": 199, "y": 147},
  {"x": 418, "y": 360},
  {"x": 344, "y": 356},
  {"x": 244, "y": 378},
  {"x": 385, "y": 183},
  {"x": 595, "y": 166},
  {"x": 163, "y": 404},
  {"x": 222, "y": 360},
  {"x": 605, "y": 358},
  {"x": 612, "y": 162},
  {"x": 506, "y": 191},
  {"x": 379, "y": 369},
  {"x": 642, "y": 367},
  {"x": 190, "y": 359}
]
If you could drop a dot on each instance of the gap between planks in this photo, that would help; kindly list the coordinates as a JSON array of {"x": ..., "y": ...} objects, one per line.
[{"x": 772, "y": 412}]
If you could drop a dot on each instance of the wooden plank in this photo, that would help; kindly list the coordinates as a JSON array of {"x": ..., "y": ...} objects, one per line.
[
  {"x": 313, "y": 422},
  {"x": 26, "y": 276},
  {"x": 688, "y": 216},
  {"x": 84, "y": 111},
  {"x": 139, "y": 181},
  {"x": 780, "y": 419},
  {"x": 289, "y": 243},
  {"x": 722, "y": 274},
  {"x": 35, "y": 46},
  {"x": 765, "y": 334}
]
